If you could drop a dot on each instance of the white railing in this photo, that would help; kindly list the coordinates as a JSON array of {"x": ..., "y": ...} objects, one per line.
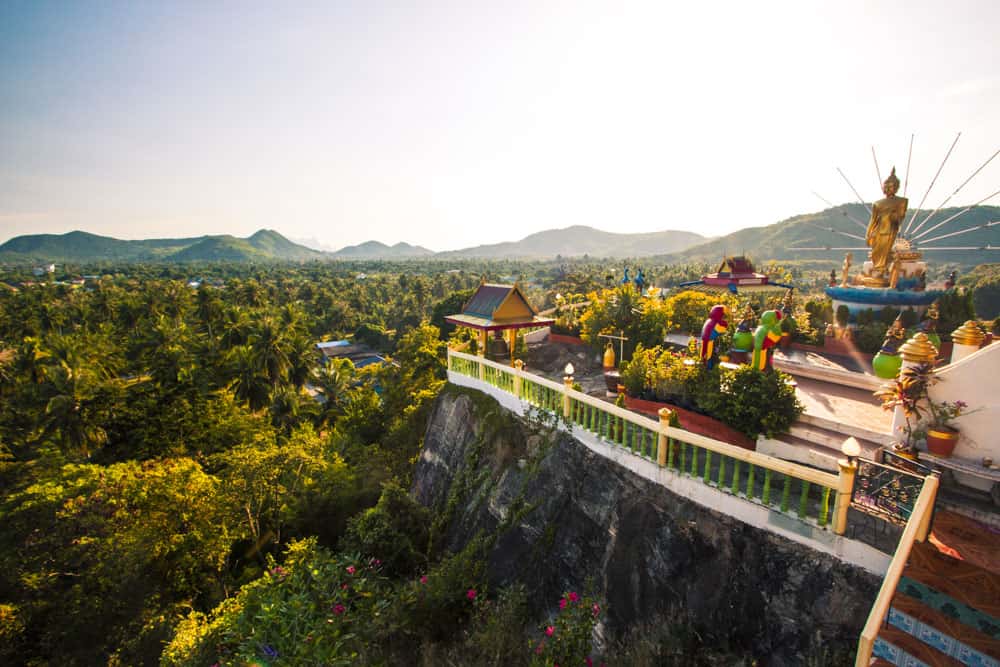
[{"x": 762, "y": 479}]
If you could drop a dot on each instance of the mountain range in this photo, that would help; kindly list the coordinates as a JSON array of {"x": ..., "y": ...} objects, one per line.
[
  {"x": 264, "y": 245},
  {"x": 825, "y": 235}
]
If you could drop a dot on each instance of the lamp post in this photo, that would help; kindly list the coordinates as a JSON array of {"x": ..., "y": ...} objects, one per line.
[
  {"x": 567, "y": 387},
  {"x": 851, "y": 450}
]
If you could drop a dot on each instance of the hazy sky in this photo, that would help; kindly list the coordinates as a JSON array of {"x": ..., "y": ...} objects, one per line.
[{"x": 454, "y": 124}]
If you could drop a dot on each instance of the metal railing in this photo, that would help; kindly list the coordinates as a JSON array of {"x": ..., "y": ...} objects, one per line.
[{"x": 816, "y": 497}]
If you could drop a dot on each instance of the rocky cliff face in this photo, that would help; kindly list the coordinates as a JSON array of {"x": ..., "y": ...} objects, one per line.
[{"x": 567, "y": 516}]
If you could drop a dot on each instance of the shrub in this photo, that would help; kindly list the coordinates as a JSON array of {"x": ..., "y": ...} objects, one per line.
[
  {"x": 396, "y": 531},
  {"x": 568, "y": 639},
  {"x": 753, "y": 402}
]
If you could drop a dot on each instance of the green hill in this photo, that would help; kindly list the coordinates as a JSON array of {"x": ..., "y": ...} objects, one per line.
[
  {"x": 377, "y": 250},
  {"x": 77, "y": 246},
  {"x": 784, "y": 240},
  {"x": 580, "y": 240}
]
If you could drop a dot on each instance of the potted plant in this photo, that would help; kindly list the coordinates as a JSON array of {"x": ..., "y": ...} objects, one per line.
[
  {"x": 908, "y": 391},
  {"x": 941, "y": 435}
]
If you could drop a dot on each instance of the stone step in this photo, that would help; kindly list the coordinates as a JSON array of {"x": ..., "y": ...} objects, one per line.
[
  {"x": 831, "y": 439},
  {"x": 903, "y": 649},
  {"x": 945, "y": 633}
]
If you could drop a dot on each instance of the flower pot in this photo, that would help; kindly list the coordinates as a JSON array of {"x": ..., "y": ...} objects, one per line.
[
  {"x": 941, "y": 440},
  {"x": 906, "y": 453}
]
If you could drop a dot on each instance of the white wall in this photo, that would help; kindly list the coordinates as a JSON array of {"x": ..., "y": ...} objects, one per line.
[{"x": 975, "y": 380}]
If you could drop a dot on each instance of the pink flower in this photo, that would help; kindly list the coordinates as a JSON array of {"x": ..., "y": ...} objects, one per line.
[
  {"x": 471, "y": 594},
  {"x": 562, "y": 603},
  {"x": 549, "y": 630},
  {"x": 339, "y": 609},
  {"x": 350, "y": 569},
  {"x": 540, "y": 648},
  {"x": 423, "y": 579},
  {"x": 344, "y": 587},
  {"x": 573, "y": 597},
  {"x": 590, "y": 663},
  {"x": 596, "y": 609}
]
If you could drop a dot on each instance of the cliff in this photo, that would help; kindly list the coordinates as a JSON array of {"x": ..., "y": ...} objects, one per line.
[{"x": 564, "y": 516}]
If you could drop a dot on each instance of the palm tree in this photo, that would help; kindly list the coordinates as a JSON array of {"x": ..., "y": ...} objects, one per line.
[
  {"x": 333, "y": 380},
  {"x": 248, "y": 384}
]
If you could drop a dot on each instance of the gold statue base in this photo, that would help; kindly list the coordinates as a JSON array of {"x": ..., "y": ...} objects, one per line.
[{"x": 871, "y": 281}]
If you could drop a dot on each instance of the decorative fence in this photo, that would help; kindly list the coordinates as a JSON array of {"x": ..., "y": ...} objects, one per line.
[{"x": 814, "y": 496}]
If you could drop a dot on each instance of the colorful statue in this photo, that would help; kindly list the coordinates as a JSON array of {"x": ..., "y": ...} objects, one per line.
[
  {"x": 765, "y": 338},
  {"x": 625, "y": 279},
  {"x": 715, "y": 326},
  {"x": 743, "y": 338},
  {"x": 887, "y": 362},
  {"x": 929, "y": 325},
  {"x": 640, "y": 281},
  {"x": 884, "y": 225}
]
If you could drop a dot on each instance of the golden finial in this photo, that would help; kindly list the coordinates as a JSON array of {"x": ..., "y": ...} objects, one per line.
[
  {"x": 919, "y": 349},
  {"x": 968, "y": 334}
]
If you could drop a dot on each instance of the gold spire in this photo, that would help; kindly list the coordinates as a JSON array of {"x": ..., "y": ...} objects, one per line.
[
  {"x": 919, "y": 350},
  {"x": 968, "y": 334}
]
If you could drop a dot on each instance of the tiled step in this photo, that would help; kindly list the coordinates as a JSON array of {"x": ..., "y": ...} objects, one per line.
[
  {"x": 967, "y": 540},
  {"x": 904, "y": 650},
  {"x": 947, "y": 634},
  {"x": 956, "y": 587}
]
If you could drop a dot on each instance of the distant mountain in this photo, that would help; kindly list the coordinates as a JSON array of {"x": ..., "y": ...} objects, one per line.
[
  {"x": 376, "y": 250},
  {"x": 784, "y": 240},
  {"x": 579, "y": 240},
  {"x": 265, "y": 245}
]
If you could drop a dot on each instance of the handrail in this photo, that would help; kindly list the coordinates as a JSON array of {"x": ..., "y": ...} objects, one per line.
[
  {"x": 790, "y": 469},
  {"x": 917, "y": 524}
]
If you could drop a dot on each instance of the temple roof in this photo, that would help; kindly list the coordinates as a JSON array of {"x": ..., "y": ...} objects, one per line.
[{"x": 495, "y": 306}]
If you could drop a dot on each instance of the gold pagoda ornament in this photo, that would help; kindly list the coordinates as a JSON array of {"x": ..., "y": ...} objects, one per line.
[
  {"x": 918, "y": 350},
  {"x": 968, "y": 334}
]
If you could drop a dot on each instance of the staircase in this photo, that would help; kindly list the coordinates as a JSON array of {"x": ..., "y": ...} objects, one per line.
[{"x": 946, "y": 610}]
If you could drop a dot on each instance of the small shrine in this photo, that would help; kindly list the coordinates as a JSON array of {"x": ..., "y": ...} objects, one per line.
[
  {"x": 498, "y": 308},
  {"x": 735, "y": 274}
]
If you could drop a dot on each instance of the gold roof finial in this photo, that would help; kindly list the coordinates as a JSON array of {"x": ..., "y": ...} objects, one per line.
[
  {"x": 968, "y": 334},
  {"x": 919, "y": 349}
]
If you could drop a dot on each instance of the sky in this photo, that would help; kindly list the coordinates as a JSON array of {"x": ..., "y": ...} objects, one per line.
[{"x": 450, "y": 125}]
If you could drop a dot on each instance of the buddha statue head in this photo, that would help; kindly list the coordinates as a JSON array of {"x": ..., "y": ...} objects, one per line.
[{"x": 891, "y": 185}]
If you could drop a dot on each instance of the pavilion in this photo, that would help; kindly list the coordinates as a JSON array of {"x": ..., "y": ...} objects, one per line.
[{"x": 498, "y": 308}]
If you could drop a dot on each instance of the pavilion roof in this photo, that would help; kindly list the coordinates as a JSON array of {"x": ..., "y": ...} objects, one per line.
[{"x": 496, "y": 306}]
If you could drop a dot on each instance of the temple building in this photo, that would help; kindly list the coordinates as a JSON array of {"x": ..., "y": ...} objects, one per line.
[{"x": 498, "y": 308}]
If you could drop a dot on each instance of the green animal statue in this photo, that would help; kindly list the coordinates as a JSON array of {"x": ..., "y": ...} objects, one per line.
[{"x": 765, "y": 338}]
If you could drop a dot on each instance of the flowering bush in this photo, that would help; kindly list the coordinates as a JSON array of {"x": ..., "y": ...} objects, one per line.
[
  {"x": 317, "y": 608},
  {"x": 567, "y": 640},
  {"x": 942, "y": 414}
]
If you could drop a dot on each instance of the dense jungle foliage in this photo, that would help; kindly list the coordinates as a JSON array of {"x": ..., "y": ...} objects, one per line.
[{"x": 184, "y": 480}]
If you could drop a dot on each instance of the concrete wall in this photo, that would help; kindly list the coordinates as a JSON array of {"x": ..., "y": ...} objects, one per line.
[{"x": 975, "y": 380}]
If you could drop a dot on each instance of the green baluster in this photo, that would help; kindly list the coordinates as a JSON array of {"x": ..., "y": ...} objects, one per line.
[
  {"x": 824, "y": 507},
  {"x": 766, "y": 495},
  {"x": 706, "y": 474},
  {"x": 671, "y": 452},
  {"x": 804, "y": 500},
  {"x": 735, "y": 486},
  {"x": 786, "y": 495},
  {"x": 694, "y": 461},
  {"x": 683, "y": 447},
  {"x": 721, "y": 479},
  {"x": 750, "y": 480}
]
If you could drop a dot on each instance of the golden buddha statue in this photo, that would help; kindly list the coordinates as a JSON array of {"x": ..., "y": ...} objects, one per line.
[{"x": 887, "y": 214}]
